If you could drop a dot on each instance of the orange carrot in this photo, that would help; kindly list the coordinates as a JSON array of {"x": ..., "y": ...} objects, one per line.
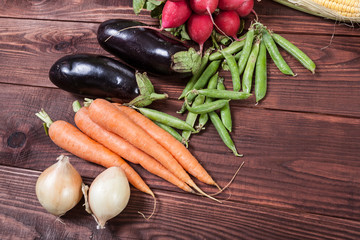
[
  {"x": 112, "y": 119},
  {"x": 71, "y": 139},
  {"x": 178, "y": 150},
  {"x": 124, "y": 149}
]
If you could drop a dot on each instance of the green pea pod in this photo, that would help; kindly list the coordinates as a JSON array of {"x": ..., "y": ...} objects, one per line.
[
  {"x": 275, "y": 54},
  {"x": 234, "y": 47},
  {"x": 190, "y": 96},
  {"x": 237, "y": 56},
  {"x": 191, "y": 117},
  {"x": 204, "y": 117},
  {"x": 295, "y": 52},
  {"x": 246, "y": 50},
  {"x": 208, "y": 107},
  {"x": 250, "y": 66},
  {"x": 223, "y": 133},
  {"x": 190, "y": 84},
  {"x": 225, "y": 112},
  {"x": 234, "y": 70},
  {"x": 210, "y": 70},
  {"x": 165, "y": 119},
  {"x": 173, "y": 132},
  {"x": 223, "y": 94},
  {"x": 261, "y": 74},
  {"x": 213, "y": 81},
  {"x": 212, "y": 85}
]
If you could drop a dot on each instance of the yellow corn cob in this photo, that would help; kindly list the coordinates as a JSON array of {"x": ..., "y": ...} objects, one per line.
[
  {"x": 346, "y": 8},
  {"x": 339, "y": 10}
]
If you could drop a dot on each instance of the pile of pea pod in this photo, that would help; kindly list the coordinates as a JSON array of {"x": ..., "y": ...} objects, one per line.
[{"x": 205, "y": 95}]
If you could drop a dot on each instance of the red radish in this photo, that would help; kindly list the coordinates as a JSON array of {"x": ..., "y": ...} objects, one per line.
[
  {"x": 175, "y": 14},
  {"x": 204, "y": 6},
  {"x": 199, "y": 28},
  {"x": 228, "y": 23},
  {"x": 229, "y": 4},
  {"x": 246, "y": 8}
]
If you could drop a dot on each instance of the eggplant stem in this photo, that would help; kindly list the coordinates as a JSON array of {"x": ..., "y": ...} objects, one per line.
[{"x": 157, "y": 96}]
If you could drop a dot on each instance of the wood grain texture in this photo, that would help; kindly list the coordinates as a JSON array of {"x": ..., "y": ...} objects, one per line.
[
  {"x": 190, "y": 214},
  {"x": 306, "y": 161},
  {"x": 301, "y": 144}
]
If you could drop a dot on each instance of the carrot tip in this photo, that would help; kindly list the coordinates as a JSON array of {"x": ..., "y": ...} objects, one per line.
[
  {"x": 154, "y": 208},
  {"x": 231, "y": 180},
  {"x": 216, "y": 185},
  {"x": 203, "y": 193}
]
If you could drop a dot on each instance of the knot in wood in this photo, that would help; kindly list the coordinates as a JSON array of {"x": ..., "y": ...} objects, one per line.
[{"x": 16, "y": 140}]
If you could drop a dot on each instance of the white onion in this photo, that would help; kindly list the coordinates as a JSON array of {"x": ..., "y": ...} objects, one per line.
[
  {"x": 108, "y": 195},
  {"x": 58, "y": 188}
]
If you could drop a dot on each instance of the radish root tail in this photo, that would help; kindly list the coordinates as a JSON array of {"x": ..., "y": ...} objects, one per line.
[{"x": 255, "y": 14}]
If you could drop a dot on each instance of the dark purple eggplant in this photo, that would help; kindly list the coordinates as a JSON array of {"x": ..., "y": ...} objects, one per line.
[
  {"x": 95, "y": 76},
  {"x": 144, "y": 48}
]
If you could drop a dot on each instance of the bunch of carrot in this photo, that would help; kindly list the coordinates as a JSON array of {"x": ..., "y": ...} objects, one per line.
[{"x": 107, "y": 133}]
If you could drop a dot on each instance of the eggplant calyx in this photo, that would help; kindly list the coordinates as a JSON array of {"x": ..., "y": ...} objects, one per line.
[
  {"x": 145, "y": 100},
  {"x": 147, "y": 92},
  {"x": 144, "y": 83},
  {"x": 186, "y": 61}
]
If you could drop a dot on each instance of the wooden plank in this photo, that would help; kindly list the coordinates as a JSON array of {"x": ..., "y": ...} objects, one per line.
[
  {"x": 298, "y": 161},
  {"x": 28, "y": 53},
  {"x": 272, "y": 14},
  {"x": 178, "y": 216},
  {"x": 73, "y": 10}
]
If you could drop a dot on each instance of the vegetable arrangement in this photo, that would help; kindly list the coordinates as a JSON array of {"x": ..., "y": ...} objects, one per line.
[
  {"x": 109, "y": 134},
  {"x": 247, "y": 62},
  {"x": 71, "y": 139}
]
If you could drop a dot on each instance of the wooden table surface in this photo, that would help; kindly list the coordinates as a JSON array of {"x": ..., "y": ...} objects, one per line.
[{"x": 301, "y": 144}]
